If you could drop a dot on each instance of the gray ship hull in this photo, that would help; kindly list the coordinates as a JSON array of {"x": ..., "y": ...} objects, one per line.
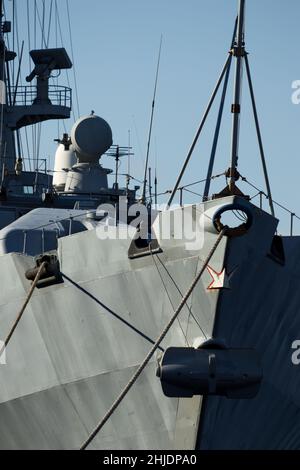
[
  {"x": 80, "y": 341},
  {"x": 261, "y": 312}
]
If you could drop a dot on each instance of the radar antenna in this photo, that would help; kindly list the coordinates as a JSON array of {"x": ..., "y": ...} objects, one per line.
[{"x": 116, "y": 151}]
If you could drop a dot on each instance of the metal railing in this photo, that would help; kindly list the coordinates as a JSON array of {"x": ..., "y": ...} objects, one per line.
[
  {"x": 263, "y": 196},
  {"x": 57, "y": 236},
  {"x": 25, "y": 95}
]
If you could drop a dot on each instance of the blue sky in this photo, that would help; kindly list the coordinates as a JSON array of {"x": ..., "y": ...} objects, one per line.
[{"x": 115, "y": 52}]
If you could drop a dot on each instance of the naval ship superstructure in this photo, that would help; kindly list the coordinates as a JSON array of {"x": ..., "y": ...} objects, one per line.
[{"x": 84, "y": 297}]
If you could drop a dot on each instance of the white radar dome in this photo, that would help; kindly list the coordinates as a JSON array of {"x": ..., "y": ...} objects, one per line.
[
  {"x": 64, "y": 160},
  {"x": 91, "y": 137}
]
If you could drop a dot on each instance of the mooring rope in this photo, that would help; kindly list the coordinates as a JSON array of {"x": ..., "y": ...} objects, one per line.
[
  {"x": 155, "y": 346},
  {"x": 33, "y": 286}
]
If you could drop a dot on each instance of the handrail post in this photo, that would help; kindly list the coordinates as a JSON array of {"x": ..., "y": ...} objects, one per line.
[
  {"x": 70, "y": 226},
  {"x": 24, "y": 241},
  {"x": 181, "y": 196},
  {"x": 43, "y": 240},
  {"x": 261, "y": 199},
  {"x": 292, "y": 223}
]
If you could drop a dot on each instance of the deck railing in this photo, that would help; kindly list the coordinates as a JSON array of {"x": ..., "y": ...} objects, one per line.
[{"x": 25, "y": 95}]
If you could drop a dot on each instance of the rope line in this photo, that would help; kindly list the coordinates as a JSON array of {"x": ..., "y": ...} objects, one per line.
[
  {"x": 169, "y": 191},
  {"x": 73, "y": 60},
  {"x": 49, "y": 23},
  {"x": 62, "y": 42},
  {"x": 169, "y": 296},
  {"x": 267, "y": 197},
  {"x": 245, "y": 180},
  {"x": 29, "y": 295},
  {"x": 155, "y": 346},
  {"x": 188, "y": 307}
]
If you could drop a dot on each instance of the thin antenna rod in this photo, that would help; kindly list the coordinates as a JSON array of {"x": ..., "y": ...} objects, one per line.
[
  {"x": 261, "y": 148},
  {"x": 8, "y": 84},
  {"x": 128, "y": 165},
  {"x": 2, "y": 80},
  {"x": 128, "y": 156},
  {"x": 199, "y": 131},
  {"x": 150, "y": 188},
  {"x": 117, "y": 159},
  {"x": 151, "y": 124},
  {"x": 155, "y": 189},
  {"x": 219, "y": 120},
  {"x": 18, "y": 74},
  {"x": 236, "y": 107}
]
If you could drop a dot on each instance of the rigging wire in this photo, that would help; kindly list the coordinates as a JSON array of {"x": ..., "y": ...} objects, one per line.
[
  {"x": 239, "y": 215},
  {"x": 16, "y": 84},
  {"x": 2, "y": 104},
  {"x": 72, "y": 53},
  {"x": 169, "y": 191},
  {"x": 139, "y": 142},
  {"x": 177, "y": 287},
  {"x": 18, "y": 74},
  {"x": 13, "y": 35},
  {"x": 33, "y": 134},
  {"x": 155, "y": 175},
  {"x": 151, "y": 123},
  {"x": 169, "y": 297},
  {"x": 49, "y": 23},
  {"x": 27, "y": 147},
  {"x": 48, "y": 224},
  {"x": 28, "y": 33},
  {"x": 17, "y": 30},
  {"x": 192, "y": 192},
  {"x": 267, "y": 197},
  {"x": 34, "y": 23},
  {"x": 56, "y": 81},
  {"x": 41, "y": 23},
  {"x": 161, "y": 337},
  {"x": 257, "y": 194},
  {"x": 7, "y": 40},
  {"x": 43, "y": 26},
  {"x": 35, "y": 46},
  {"x": 199, "y": 130},
  {"x": 219, "y": 120},
  {"x": 61, "y": 39},
  {"x": 39, "y": 134}
]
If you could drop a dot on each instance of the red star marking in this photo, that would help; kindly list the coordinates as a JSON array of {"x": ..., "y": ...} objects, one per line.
[{"x": 220, "y": 280}]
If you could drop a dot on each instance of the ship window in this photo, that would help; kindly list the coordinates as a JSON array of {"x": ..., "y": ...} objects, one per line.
[{"x": 28, "y": 189}]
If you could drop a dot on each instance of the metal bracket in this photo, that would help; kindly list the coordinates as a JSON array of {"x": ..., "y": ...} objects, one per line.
[
  {"x": 235, "y": 108},
  {"x": 238, "y": 51}
]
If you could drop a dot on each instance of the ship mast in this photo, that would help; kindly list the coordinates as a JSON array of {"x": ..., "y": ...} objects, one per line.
[
  {"x": 1, "y": 10},
  {"x": 238, "y": 52},
  {"x": 3, "y": 28},
  {"x": 2, "y": 51},
  {"x": 2, "y": 56}
]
